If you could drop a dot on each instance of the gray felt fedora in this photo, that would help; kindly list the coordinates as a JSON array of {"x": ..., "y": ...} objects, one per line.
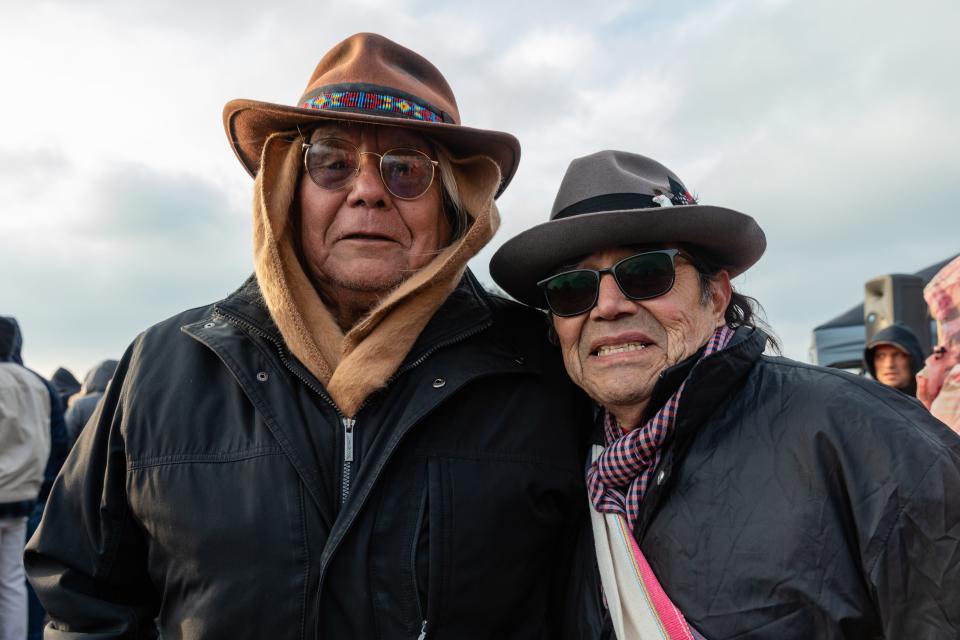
[{"x": 614, "y": 198}]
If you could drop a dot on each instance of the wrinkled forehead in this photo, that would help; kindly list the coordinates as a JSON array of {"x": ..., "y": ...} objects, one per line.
[{"x": 380, "y": 136}]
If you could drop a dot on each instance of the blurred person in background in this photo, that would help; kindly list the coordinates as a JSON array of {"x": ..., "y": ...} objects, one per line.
[
  {"x": 893, "y": 357},
  {"x": 32, "y": 448},
  {"x": 66, "y": 385},
  {"x": 82, "y": 405},
  {"x": 939, "y": 381}
]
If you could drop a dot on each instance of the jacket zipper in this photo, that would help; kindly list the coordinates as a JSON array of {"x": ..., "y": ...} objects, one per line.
[
  {"x": 347, "y": 464},
  {"x": 348, "y": 425},
  {"x": 421, "y": 516},
  {"x": 429, "y": 352},
  {"x": 460, "y": 338}
]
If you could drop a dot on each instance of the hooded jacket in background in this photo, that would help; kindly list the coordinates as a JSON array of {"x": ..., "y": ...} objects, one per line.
[
  {"x": 901, "y": 337},
  {"x": 94, "y": 385},
  {"x": 26, "y": 404},
  {"x": 65, "y": 383}
]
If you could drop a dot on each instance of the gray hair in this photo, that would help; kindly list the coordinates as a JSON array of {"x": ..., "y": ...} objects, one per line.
[{"x": 452, "y": 205}]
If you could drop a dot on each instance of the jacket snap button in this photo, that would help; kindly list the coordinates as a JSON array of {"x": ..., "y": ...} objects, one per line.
[
  {"x": 660, "y": 477},
  {"x": 439, "y": 382},
  {"x": 208, "y": 325},
  {"x": 262, "y": 376}
]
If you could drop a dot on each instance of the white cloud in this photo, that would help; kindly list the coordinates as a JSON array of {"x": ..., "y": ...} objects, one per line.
[
  {"x": 833, "y": 123},
  {"x": 543, "y": 51}
]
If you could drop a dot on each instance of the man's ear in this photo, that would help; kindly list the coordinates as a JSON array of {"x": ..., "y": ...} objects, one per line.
[{"x": 720, "y": 293}]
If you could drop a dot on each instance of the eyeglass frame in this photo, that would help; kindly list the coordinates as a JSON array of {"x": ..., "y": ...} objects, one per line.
[
  {"x": 434, "y": 164},
  {"x": 599, "y": 273}
]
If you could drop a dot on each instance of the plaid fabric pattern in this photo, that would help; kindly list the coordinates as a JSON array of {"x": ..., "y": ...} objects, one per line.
[
  {"x": 618, "y": 479},
  {"x": 368, "y": 101}
]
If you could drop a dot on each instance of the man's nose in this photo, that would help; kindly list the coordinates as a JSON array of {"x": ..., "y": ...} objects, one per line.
[
  {"x": 611, "y": 303},
  {"x": 368, "y": 188}
]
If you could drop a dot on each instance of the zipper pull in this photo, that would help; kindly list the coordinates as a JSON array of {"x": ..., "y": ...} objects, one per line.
[
  {"x": 423, "y": 631},
  {"x": 348, "y": 424}
]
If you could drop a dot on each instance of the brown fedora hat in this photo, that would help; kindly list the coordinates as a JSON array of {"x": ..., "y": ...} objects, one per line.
[
  {"x": 368, "y": 78},
  {"x": 614, "y": 198}
]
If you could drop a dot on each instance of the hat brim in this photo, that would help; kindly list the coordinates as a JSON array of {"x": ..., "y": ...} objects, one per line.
[
  {"x": 729, "y": 239},
  {"x": 248, "y": 123}
]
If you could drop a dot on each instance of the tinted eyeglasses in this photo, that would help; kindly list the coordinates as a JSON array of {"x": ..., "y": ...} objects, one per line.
[
  {"x": 640, "y": 277},
  {"x": 333, "y": 163}
]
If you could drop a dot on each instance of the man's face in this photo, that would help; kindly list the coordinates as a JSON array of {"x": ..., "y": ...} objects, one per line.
[
  {"x": 892, "y": 366},
  {"x": 617, "y": 350},
  {"x": 361, "y": 238}
]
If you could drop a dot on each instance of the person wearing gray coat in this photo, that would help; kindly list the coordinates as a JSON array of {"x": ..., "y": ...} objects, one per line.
[{"x": 94, "y": 385}]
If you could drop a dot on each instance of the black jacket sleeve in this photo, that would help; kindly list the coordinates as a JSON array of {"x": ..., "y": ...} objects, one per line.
[{"x": 87, "y": 561}]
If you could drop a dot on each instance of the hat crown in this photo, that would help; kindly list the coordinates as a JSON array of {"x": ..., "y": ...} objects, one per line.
[
  {"x": 369, "y": 59},
  {"x": 612, "y": 180},
  {"x": 609, "y": 199}
]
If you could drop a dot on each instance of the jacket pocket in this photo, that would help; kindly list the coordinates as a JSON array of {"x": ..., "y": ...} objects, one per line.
[
  {"x": 420, "y": 555},
  {"x": 432, "y": 546}
]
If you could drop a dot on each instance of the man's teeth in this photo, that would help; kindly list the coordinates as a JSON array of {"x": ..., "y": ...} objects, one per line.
[{"x": 620, "y": 348}]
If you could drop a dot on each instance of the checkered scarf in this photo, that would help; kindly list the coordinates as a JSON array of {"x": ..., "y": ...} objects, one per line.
[{"x": 618, "y": 479}]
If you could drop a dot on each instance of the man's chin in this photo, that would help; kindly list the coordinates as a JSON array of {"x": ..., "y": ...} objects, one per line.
[
  {"x": 382, "y": 285},
  {"x": 332, "y": 285},
  {"x": 367, "y": 275},
  {"x": 620, "y": 393}
]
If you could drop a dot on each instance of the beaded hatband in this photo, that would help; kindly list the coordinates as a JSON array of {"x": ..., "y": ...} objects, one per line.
[{"x": 368, "y": 101}]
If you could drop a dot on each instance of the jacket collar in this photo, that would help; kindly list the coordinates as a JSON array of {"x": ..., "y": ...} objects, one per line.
[
  {"x": 715, "y": 378},
  {"x": 669, "y": 381},
  {"x": 671, "y": 378},
  {"x": 466, "y": 310},
  {"x": 711, "y": 382}
]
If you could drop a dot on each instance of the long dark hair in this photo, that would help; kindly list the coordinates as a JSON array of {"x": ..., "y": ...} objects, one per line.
[{"x": 742, "y": 310}]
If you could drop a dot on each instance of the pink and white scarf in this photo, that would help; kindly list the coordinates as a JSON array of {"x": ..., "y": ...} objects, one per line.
[{"x": 617, "y": 481}]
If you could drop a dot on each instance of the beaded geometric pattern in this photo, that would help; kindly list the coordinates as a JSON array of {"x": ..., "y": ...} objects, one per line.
[{"x": 371, "y": 102}]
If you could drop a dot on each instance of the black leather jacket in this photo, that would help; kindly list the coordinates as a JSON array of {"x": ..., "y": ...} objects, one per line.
[
  {"x": 796, "y": 502},
  {"x": 219, "y": 494}
]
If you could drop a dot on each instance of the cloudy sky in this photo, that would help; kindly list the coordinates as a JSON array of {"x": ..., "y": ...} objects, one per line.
[{"x": 833, "y": 123}]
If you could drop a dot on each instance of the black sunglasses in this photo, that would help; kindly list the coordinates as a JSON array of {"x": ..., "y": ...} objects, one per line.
[{"x": 640, "y": 277}]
